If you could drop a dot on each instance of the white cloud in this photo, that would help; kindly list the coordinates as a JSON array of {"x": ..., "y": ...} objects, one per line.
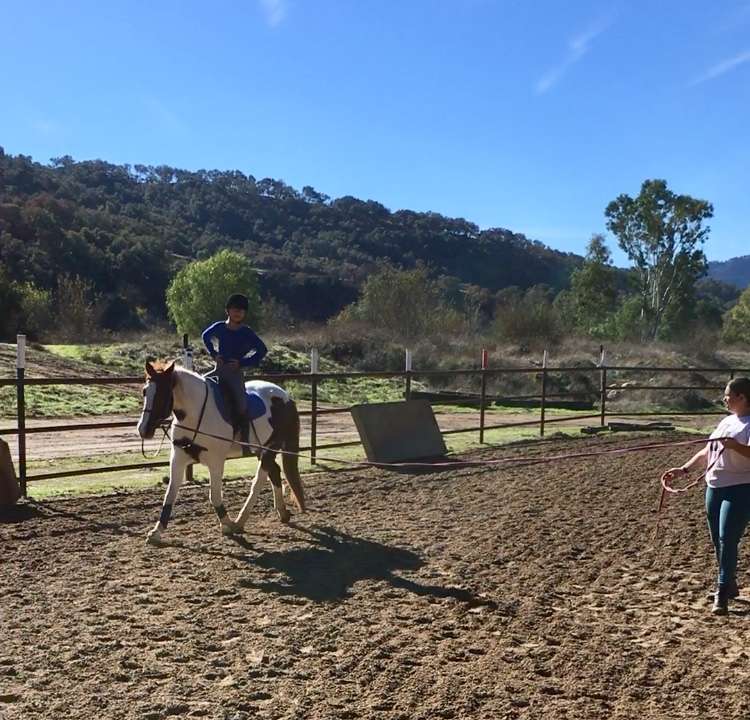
[
  {"x": 578, "y": 46},
  {"x": 274, "y": 11},
  {"x": 723, "y": 67}
]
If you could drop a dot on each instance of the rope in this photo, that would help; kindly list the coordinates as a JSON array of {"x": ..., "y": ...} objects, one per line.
[
  {"x": 665, "y": 488},
  {"x": 458, "y": 463}
]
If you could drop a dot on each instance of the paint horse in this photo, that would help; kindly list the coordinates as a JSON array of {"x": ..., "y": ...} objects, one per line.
[{"x": 201, "y": 432}]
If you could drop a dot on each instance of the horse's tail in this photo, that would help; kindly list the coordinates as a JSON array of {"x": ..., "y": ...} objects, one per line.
[{"x": 291, "y": 462}]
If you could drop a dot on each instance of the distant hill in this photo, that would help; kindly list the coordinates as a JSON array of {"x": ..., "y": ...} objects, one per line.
[
  {"x": 127, "y": 229},
  {"x": 735, "y": 271}
]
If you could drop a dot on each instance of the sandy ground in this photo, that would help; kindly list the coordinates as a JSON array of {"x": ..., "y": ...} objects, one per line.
[{"x": 524, "y": 592}]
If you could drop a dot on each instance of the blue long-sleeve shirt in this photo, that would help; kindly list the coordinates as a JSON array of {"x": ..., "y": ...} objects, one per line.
[{"x": 235, "y": 344}]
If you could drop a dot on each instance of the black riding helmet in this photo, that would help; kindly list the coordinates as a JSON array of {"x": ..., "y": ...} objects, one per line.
[{"x": 237, "y": 301}]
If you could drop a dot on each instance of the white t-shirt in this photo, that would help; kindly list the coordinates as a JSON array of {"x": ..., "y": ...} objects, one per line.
[{"x": 731, "y": 468}]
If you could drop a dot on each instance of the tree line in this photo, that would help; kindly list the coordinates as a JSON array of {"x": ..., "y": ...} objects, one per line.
[
  {"x": 125, "y": 231},
  {"x": 92, "y": 245}
]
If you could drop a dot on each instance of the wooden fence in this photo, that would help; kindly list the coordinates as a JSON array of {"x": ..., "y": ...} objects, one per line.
[{"x": 484, "y": 374}]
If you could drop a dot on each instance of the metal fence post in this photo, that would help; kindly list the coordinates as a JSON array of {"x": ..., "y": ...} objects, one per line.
[
  {"x": 602, "y": 387},
  {"x": 482, "y": 396},
  {"x": 314, "y": 363},
  {"x": 187, "y": 361},
  {"x": 187, "y": 353},
  {"x": 407, "y": 365},
  {"x": 21, "y": 409},
  {"x": 544, "y": 394}
]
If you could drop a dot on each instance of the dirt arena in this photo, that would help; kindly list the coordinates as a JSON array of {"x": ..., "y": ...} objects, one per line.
[{"x": 526, "y": 592}]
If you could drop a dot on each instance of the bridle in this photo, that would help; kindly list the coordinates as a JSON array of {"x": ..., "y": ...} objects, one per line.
[
  {"x": 164, "y": 403},
  {"x": 161, "y": 408}
]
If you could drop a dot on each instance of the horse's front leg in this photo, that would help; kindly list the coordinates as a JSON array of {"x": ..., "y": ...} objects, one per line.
[
  {"x": 215, "y": 495},
  {"x": 260, "y": 476},
  {"x": 177, "y": 464}
]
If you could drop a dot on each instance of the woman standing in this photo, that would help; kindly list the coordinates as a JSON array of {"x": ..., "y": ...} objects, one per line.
[{"x": 727, "y": 457}]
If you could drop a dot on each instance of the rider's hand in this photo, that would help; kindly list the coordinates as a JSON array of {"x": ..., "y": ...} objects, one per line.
[
  {"x": 673, "y": 473},
  {"x": 729, "y": 443},
  {"x": 234, "y": 364},
  {"x": 219, "y": 360}
]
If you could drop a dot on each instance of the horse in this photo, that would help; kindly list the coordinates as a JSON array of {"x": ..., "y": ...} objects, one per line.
[{"x": 200, "y": 434}]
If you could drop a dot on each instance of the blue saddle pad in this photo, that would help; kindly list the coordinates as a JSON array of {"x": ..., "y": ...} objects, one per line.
[{"x": 256, "y": 408}]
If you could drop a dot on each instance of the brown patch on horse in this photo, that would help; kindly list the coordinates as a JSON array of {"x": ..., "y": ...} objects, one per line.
[{"x": 157, "y": 368}]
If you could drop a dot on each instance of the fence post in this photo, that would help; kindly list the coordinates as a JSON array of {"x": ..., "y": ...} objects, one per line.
[
  {"x": 314, "y": 363},
  {"x": 482, "y": 396},
  {"x": 187, "y": 353},
  {"x": 602, "y": 387},
  {"x": 187, "y": 361},
  {"x": 21, "y": 409},
  {"x": 407, "y": 365},
  {"x": 544, "y": 394}
]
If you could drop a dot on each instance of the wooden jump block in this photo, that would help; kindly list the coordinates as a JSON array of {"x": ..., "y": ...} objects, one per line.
[
  {"x": 9, "y": 488},
  {"x": 398, "y": 431}
]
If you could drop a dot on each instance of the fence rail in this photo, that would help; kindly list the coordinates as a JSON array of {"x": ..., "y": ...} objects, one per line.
[{"x": 542, "y": 374}]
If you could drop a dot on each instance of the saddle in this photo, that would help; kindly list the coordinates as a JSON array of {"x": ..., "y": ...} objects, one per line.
[{"x": 254, "y": 405}]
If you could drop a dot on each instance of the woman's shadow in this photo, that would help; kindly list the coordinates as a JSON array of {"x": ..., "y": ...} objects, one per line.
[{"x": 334, "y": 561}]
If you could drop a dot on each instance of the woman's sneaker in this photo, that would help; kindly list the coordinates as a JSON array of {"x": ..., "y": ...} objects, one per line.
[
  {"x": 721, "y": 601},
  {"x": 732, "y": 591}
]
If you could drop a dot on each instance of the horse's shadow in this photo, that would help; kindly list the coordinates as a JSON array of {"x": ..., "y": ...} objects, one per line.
[
  {"x": 19, "y": 513},
  {"x": 334, "y": 561}
]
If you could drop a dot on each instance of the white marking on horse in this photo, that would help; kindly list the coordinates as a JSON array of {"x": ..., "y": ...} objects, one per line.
[{"x": 188, "y": 392}]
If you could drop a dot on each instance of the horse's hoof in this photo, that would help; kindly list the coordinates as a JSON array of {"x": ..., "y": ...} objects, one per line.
[
  {"x": 285, "y": 516},
  {"x": 154, "y": 538},
  {"x": 230, "y": 528}
]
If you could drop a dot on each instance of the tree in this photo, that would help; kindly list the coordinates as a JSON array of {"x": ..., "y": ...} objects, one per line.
[
  {"x": 10, "y": 301},
  {"x": 737, "y": 321},
  {"x": 593, "y": 286},
  {"x": 197, "y": 294},
  {"x": 405, "y": 302},
  {"x": 528, "y": 318},
  {"x": 661, "y": 233}
]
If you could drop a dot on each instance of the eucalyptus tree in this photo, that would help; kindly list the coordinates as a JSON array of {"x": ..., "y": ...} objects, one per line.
[{"x": 662, "y": 234}]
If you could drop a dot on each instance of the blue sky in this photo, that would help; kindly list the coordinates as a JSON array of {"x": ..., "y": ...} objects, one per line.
[{"x": 525, "y": 114}]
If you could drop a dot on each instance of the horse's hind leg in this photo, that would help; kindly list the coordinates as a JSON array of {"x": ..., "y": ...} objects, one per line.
[
  {"x": 268, "y": 462},
  {"x": 260, "y": 476},
  {"x": 216, "y": 473},
  {"x": 177, "y": 464}
]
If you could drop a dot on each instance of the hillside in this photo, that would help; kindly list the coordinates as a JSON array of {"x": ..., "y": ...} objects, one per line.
[
  {"x": 735, "y": 271},
  {"x": 127, "y": 229}
]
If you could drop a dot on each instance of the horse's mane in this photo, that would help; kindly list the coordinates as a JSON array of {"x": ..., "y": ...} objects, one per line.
[
  {"x": 185, "y": 371},
  {"x": 161, "y": 365}
]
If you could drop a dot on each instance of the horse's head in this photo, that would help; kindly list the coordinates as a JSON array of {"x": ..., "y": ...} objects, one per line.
[{"x": 157, "y": 398}]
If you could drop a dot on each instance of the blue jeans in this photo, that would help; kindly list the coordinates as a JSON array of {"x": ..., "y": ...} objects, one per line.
[
  {"x": 727, "y": 512},
  {"x": 235, "y": 381}
]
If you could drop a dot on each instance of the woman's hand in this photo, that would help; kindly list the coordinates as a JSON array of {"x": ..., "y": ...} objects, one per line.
[
  {"x": 671, "y": 474},
  {"x": 233, "y": 364},
  {"x": 219, "y": 360},
  {"x": 730, "y": 443}
]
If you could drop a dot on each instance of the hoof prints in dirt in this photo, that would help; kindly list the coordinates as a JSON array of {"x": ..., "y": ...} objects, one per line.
[{"x": 475, "y": 593}]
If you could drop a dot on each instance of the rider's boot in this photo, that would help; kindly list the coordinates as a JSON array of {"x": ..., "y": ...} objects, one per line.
[{"x": 244, "y": 428}]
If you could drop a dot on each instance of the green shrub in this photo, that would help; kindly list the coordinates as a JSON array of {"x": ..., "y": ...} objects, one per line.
[{"x": 197, "y": 294}]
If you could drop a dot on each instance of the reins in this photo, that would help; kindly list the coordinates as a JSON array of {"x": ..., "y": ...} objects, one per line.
[{"x": 184, "y": 443}]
